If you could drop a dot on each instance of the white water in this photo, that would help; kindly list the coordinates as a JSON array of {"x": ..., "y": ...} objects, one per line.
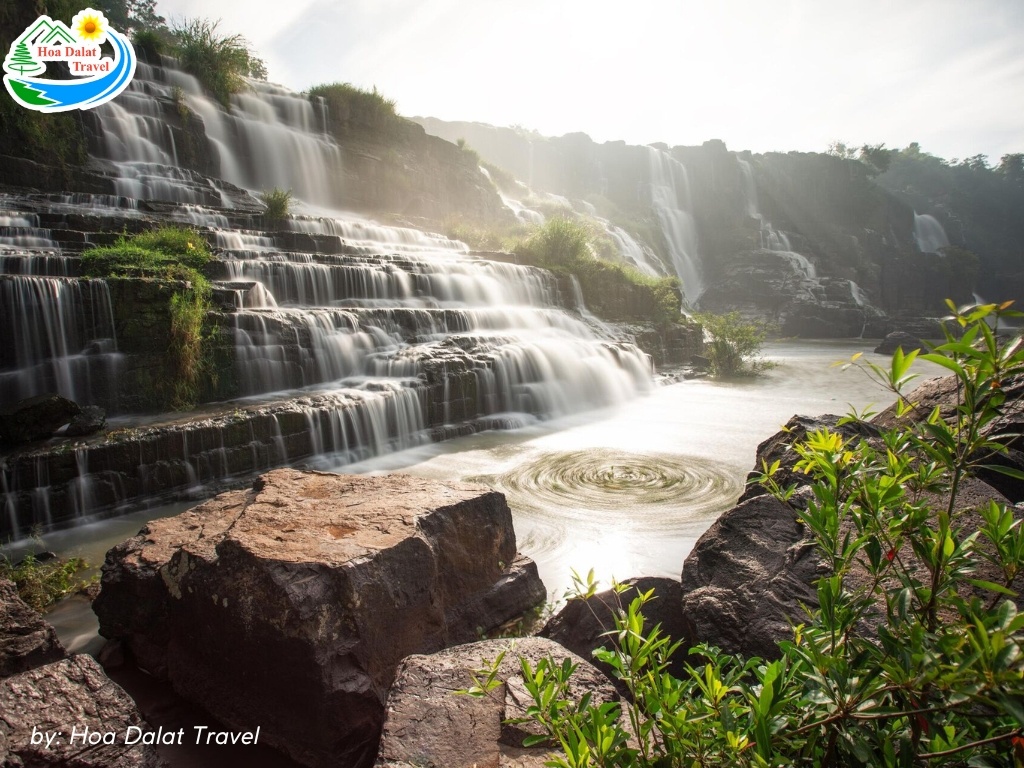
[
  {"x": 670, "y": 198},
  {"x": 928, "y": 233},
  {"x": 626, "y": 490}
]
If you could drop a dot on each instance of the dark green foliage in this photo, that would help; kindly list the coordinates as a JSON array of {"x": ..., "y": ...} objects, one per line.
[
  {"x": 354, "y": 110},
  {"x": 43, "y": 583},
  {"x": 913, "y": 656},
  {"x": 220, "y": 62},
  {"x": 734, "y": 346},
  {"x": 168, "y": 253}
]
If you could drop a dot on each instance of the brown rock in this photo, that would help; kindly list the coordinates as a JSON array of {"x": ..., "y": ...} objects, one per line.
[
  {"x": 289, "y": 606},
  {"x": 26, "y": 640},
  {"x": 66, "y": 696},
  {"x": 581, "y": 625},
  {"x": 430, "y": 726}
]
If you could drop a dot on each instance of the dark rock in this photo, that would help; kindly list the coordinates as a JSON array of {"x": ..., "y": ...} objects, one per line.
[
  {"x": 900, "y": 340},
  {"x": 748, "y": 575},
  {"x": 290, "y": 606},
  {"x": 748, "y": 578},
  {"x": 581, "y": 624},
  {"x": 91, "y": 419},
  {"x": 1006, "y": 429},
  {"x": 26, "y": 640},
  {"x": 35, "y": 418},
  {"x": 428, "y": 725},
  {"x": 700, "y": 362},
  {"x": 777, "y": 448},
  {"x": 66, "y": 695}
]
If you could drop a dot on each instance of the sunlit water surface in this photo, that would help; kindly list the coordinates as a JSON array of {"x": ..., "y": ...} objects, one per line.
[{"x": 625, "y": 491}]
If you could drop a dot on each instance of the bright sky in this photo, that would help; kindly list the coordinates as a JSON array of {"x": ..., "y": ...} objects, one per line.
[{"x": 784, "y": 75}]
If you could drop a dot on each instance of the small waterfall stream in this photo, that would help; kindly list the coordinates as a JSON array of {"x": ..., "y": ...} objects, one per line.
[{"x": 670, "y": 198}]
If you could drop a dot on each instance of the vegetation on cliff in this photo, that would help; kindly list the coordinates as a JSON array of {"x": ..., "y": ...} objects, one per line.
[
  {"x": 220, "y": 62},
  {"x": 352, "y": 109},
  {"x": 171, "y": 254},
  {"x": 912, "y": 656}
]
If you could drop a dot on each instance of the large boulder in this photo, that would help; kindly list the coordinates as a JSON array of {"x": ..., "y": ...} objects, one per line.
[
  {"x": 1006, "y": 428},
  {"x": 35, "y": 418},
  {"x": 582, "y": 626},
  {"x": 750, "y": 576},
  {"x": 290, "y": 605},
  {"x": 69, "y": 713},
  {"x": 26, "y": 640},
  {"x": 428, "y": 725},
  {"x": 747, "y": 577},
  {"x": 778, "y": 447}
]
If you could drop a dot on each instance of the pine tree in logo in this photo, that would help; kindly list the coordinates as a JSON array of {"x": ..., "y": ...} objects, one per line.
[{"x": 20, "y": 60}]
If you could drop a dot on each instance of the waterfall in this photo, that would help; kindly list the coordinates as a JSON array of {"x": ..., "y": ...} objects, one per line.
[
  {"x": 771, "y": 238},
  {"x": 670, "y": 198},
  {"x": 929, "y": 234},
  {"x": 350, "y": 338},
  {"x": 59, "y": 337}
]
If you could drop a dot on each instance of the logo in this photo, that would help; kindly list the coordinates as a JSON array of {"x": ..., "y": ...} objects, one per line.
[{"x": 96, "y": 79}]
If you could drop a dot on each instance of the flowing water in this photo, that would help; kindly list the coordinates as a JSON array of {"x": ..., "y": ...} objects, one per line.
[
  {"x": 670, "y": 198},
  {"x": 626, "y": 490},
  {"x": 928, "y": 233}
]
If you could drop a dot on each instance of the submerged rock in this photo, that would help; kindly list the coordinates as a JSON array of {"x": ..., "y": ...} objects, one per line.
[
  {"x": 900, "y": 340},
  {"x": 289, "y": 606},
  {"x": 86, "y": 716},
  {"x": 26, "y": 639},
  {"x": 429, "y": 725}
]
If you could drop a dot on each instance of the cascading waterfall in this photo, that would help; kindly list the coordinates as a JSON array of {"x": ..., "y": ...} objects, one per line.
[
  {"x": 59, "y": 338},
  {"x": 351, "y": 338},
  {"x": 929, "y": 234},
  {"x": 670, "y": 198}
]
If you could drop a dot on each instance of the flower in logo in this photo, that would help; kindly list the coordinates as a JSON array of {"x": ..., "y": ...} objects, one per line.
[{"x": 90, "y": 26}]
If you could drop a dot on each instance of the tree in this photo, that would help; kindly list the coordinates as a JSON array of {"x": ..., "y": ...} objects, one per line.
[
  {"x": 841, "y": 150},
  {"x": 734, "y": 345},
  {"x": 876, "y": 156},
  {"x": 1012, "y": 168}
]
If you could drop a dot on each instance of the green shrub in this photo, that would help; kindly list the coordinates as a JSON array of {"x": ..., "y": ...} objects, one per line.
[
  {"x": 278, "y": 202},
  {"x": 734, "y": 345},
  {"x": 43, "y": 583},
  {"x": 558, "y": 243},
  {"x": 220, "y": 62},
  {"x": 168, "y": 253},
  {"x": 912, "y": 657},
  {"x": 152, "y": 43},
  {"x": 352, "y": 109}
]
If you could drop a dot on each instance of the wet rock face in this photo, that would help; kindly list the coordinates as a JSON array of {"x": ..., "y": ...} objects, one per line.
[
  {"x": 61, "y": 714},
  {"x": 26, "y": 640},
  {"x": 429, "y": 725},
  {"x": 35, "y": 418},
  {"x": 289, "y": 606}
]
